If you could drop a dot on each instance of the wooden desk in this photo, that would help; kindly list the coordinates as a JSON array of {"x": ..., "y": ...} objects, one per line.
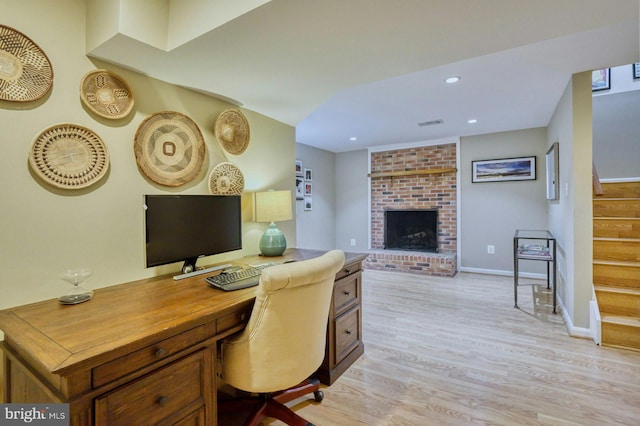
[{"x": 144, "y": 352}]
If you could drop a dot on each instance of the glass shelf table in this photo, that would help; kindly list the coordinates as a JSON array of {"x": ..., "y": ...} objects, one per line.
[{"x": 534, "y": 244}]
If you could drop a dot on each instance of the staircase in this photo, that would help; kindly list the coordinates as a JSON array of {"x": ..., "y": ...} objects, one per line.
[{"x": 616, "y": 262}]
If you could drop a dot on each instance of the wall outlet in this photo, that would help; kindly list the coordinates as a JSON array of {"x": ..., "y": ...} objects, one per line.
[
  {"x": 491, "y": 249},
  {"x": 353, "y": 242}
]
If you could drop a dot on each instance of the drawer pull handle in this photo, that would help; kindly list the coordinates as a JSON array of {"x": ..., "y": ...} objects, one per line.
[
  {"x": 160, "y": 352},
  {"x": 162, "y": 400},
  {"x": 348, "y": 332},
  {"x": 347, "y": 292},
  {"x": 347, "y": 271}
]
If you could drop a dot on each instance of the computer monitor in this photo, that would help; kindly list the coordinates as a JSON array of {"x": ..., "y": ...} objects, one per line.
[{"x": 183, "y": 228}]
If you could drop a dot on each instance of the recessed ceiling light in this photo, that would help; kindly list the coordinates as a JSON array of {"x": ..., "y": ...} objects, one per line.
[
  {"x": 353, "y": 138},
  {"x": 453, "y": 79},
  {"x": 472, "y": 121}
]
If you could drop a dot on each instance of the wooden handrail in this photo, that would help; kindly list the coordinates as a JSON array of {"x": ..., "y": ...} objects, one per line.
[
  {"x": 597, "y": 187},
  {"x": 412, "y": 172}
]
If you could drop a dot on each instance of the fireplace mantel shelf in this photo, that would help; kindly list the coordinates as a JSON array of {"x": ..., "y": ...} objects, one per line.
[{"x": 412, "y": 172}]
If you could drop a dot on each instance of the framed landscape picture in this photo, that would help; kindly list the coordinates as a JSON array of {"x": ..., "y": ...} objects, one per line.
[{"x": 505, "y": 169}]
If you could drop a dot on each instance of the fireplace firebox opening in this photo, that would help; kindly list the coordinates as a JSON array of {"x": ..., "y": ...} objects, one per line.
[{"x": 411, "y": 229}]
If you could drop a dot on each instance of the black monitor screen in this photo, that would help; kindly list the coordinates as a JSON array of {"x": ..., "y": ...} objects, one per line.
[{"x": 182, "y": 228}]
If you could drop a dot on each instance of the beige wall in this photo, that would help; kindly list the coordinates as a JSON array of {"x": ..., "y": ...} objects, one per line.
[
  {"x": 570, "y": 217},
  {"x": 46, "y": 230}
]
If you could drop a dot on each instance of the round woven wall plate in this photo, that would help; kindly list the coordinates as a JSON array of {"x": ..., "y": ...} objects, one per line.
[
  {"x": 169, "y": 148},
  {"x": 25, "y": 71},
  {"x": 69, "y": 156},
  {"x": 106, "y": 94},
  {"x": 232, "y": 131},
  {"x": 226, "y": 179}
]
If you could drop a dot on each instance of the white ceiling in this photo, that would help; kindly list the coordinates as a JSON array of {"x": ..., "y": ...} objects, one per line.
[{"x": 373, "y": 69}]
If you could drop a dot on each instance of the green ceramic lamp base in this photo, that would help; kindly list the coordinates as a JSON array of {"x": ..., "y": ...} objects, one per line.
[{"x": 273, "y": 242}]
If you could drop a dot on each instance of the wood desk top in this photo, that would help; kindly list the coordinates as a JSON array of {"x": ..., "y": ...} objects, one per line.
[{"x": 125, "y": 317}]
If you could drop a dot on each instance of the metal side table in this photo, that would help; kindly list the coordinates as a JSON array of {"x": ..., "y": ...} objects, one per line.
[{"x": 541, "y": 247}]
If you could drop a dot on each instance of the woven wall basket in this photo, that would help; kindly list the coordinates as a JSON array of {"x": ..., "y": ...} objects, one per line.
[
  {"x": 169, "y": 148},
  {"x": 69, "y": 156},
  {"x": 106, "y": 94},
  {"x": 25, "y": 71},
  {"x": 232, "y": 131},
  {"x": 226, "y": 179}
]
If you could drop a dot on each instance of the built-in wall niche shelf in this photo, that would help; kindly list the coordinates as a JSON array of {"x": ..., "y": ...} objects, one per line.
[{"x": 412, "y": 173}]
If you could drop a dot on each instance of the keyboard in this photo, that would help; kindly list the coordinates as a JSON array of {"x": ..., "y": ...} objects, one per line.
[{"x": 244, "y": 278}]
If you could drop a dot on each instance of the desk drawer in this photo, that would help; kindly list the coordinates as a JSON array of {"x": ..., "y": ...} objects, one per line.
[
  {"x": 229, "y": 322},
  {"x": 348, "y": 270},
  {"x": 345, "y": 292},
  {"x": 120, "y": 367},
  {"x": 156, "y": 396},
  {"x": 347, "y": 333}
]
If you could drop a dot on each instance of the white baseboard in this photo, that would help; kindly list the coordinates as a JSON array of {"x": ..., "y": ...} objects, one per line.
[
  {"x": 573, "y": 331},
  {"x": 502, "y": 273},
  {"x": 595, "y": 322}
]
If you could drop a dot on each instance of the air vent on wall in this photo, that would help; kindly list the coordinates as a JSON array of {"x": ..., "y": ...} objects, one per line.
[{"x": 431, "y": 123}]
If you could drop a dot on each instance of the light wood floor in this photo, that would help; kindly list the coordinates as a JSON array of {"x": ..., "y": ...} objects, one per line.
[{"x": 454, "y": 351}]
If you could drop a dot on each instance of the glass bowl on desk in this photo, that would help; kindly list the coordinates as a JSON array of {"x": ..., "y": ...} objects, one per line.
[{"x": 77, "y": 294}]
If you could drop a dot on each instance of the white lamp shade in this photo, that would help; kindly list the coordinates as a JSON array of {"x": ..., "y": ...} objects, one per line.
[{"x": 273, "y": 206}]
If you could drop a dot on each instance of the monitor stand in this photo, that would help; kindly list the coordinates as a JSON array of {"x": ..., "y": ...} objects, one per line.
[
  {"x": 189, "y": 265},
  {"x": 189, "y": 269}
]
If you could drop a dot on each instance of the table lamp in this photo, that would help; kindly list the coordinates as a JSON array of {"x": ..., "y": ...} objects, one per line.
[{"x": 273, "y": 206}]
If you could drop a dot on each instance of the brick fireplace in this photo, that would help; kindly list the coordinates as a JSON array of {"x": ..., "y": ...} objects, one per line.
[{"x": 409, "y": 188}]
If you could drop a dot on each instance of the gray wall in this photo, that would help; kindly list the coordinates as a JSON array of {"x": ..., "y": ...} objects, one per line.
[
  {"x": 352, "y": 201},
  {"x": 492, "y": 211},
  {"x": 315, "y": 229},
  {"x": 616, "y": 135}
]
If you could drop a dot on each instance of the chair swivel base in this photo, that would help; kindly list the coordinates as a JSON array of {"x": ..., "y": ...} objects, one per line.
[{"x": 273, "y": 405}]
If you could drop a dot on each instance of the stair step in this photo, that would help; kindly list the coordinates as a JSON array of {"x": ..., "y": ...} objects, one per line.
[
  {"x": 618, "y": 300},
  {"x": 616, "y": 207},
  {"x": 621, "y": 331},
  {"x": 621, "y": 319},
  {"x": 616, "y": 227},
  {"x": 621, "y": 189},
  {"x": 616, "y": 274},
  {"x": 622, "y": 249}
]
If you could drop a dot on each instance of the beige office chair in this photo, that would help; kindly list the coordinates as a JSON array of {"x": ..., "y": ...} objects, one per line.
[{"x": 284, "y": 341}]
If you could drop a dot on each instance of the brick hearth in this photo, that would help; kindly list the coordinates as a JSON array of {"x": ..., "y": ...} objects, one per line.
[
  {"x": 437, "y": 264},
  {"x": 430, "y": 191}
]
